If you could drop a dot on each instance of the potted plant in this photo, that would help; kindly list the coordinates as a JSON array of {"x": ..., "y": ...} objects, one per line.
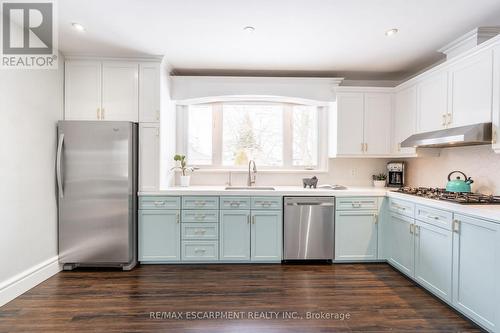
[
  {"x": 183, "y": 168},
  {"x": 379, "y": 180}
]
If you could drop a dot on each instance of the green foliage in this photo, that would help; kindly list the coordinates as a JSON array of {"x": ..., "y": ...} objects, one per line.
[
  {"x": 380, "y": 176},
  {"x": 182, "y": 165}
]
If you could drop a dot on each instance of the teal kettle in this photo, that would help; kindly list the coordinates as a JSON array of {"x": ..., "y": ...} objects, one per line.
[{"x": 458, "y": 184}]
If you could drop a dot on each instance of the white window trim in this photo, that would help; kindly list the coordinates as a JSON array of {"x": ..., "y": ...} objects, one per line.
[{"x": 182, "y": 137}]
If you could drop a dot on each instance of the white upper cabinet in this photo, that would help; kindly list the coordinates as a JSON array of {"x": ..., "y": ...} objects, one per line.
[
  {"x": 496, "y": 98},
  {"x": 405, "y": 119},
  {"x": 377, "y": 123},
  {"x": 149, "y": 92},
  {"x": 432, "y": 102},
  {"x": 112, "y": 90},
  {"x": 82, "y": 90},
  {"x": 350, "y": 113},
  {"x": 471, "y": 90},
  {"x": 363, "y": 123},
  {"x": 120, "y": 91}
]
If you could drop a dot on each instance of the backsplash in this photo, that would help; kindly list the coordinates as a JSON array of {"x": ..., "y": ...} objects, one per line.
[
  {"x": 478, "y": 162},
  {"x": 345, "y": 171}
]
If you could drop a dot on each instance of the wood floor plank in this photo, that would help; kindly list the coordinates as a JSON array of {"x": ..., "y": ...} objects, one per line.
[{"x": 376, "y": 297}]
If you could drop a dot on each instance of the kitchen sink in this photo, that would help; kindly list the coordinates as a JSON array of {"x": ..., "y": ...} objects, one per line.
[{"x": 259, "y": 188}]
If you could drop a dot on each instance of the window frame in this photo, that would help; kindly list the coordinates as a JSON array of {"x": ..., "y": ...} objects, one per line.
[{"x": 217, "y": 132}]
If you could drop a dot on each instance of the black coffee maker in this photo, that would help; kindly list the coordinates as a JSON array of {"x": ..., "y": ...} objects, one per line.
[{"x": 396, "y": 174}]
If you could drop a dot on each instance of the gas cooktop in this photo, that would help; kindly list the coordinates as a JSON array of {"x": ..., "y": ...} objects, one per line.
[{"x": 457, "y": 197}]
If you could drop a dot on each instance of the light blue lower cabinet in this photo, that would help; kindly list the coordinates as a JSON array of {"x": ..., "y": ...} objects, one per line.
[
  {"x": 234, "y": 235},
  {"x": 476, "y": 270},
  {"x": 266, "y": 236},
  {"x": 356, "y": 235},
  {"x": 159, "y": 235},
  {"x": 200, "y": 250},
  {"x": 401, "y": 248},
  {"x": 433, "y": 259}
]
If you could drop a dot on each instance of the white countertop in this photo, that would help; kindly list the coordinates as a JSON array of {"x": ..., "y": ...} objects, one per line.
[
  {"x": 279, "y": 191},
  {"x": 489, "y": 212}
]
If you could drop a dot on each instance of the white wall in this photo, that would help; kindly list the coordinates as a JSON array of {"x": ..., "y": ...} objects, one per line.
[
  {"x": 31, "y": 103},
  {"x": 344, "y": 171},
  {"x": 478, "y": 162}
]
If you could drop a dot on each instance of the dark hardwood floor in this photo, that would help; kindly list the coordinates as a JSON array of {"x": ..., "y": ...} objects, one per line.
[{"x": 371, "y": 297}]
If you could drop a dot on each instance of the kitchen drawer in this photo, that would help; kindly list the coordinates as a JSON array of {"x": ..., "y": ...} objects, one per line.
[
  {"x": 437, "y": 217},
  {"x": 200, "y": 250},
  {"x": 156, "y": 202},
  {"x": 357, "y": 203},
  {"x": 402, "y": 207},
  {"x": 200, "y": 216},
  {"x": 200, "y": 202},
  {"x": 267, "y": 203},
  {"x": 203, "y": 231},
  {"x": 234, "y": 202}
]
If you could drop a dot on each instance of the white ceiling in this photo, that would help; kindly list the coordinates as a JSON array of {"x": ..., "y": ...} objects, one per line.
[{"x": 319, "y": 37}]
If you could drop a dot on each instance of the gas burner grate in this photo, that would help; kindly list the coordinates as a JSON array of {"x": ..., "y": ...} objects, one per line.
[{"x": 457, "y": 197}]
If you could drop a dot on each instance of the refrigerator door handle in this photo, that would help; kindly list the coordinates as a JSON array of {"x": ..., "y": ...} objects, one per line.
[{"x": 58, "y": 165}]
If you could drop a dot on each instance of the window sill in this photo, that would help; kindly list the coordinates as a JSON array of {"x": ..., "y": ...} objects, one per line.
[{"x": 244, "y": 171}]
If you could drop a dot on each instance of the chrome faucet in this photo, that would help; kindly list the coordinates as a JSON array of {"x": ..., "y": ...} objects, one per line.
[{"x": 252, "y": 173}]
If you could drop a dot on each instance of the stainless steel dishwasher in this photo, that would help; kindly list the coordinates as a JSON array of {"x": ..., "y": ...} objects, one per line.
[{"x": 309, "y": 228}]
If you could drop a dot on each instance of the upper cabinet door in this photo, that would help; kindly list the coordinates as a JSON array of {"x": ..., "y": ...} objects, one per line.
[
  {"x": 149, "y": 92},
  {"x": 350, "y": 109},
  {"x": 120, "y": 91},
  {"x": 82, "y": 90},
  {"x": 377, "y": 123},
  {"x": 432, "y": 102},
  {"x": 405, "y": 119},
  {"x": 471, "y": 82}
]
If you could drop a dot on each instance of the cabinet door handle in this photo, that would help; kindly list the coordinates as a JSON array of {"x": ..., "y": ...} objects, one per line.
[
  {"x": 362, "y": 147},
  {"x": 157, "y": 114},
  {"x": 253, "y": 219},
  {"x": 375, "y": 218},
  {"x": 366, "y": 147},
  {"x": 412, "y": 228},
  {"x": 102, "y": 114},
  {"x": 248, "y": 219},
  {"x": 416, "y": 230},
  {"x": 98, "y": 114},
  {"x": 444, "y": 120},
  {"x": 456, "y": 226},
  {"x": 450, "y": 118},
  {"x": 494, "y": 135},
  {"x": 177, "y": 219}
]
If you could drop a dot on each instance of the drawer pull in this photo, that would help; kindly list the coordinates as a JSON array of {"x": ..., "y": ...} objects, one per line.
[
  {"x": 200, "y": 250},
  {"x": 456, "y": 226},
  {"x": 234, "y": 204},
  {"x": 159, "y": 203},
  {"x": 398, "y": 207},
  {"x": 433, "y": 217},
  {"x": 200, "y": 216},
  {"x": 356, "y": 205},
  {"x": 200, "y": 231}
]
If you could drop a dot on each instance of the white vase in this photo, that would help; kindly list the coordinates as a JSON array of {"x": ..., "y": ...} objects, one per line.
[
  {"x": 379, "y": 183},
  {"x": 185, "y": 180}
]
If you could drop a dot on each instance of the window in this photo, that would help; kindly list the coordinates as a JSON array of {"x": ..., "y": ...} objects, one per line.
[{"x": 227, "y": 135}]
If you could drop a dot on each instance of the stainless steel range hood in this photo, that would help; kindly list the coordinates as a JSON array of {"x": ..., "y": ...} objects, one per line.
[{"x": 472, "y": 135}]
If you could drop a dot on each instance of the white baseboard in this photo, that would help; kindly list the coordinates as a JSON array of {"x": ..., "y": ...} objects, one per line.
[{"x": 24, "y": 281}]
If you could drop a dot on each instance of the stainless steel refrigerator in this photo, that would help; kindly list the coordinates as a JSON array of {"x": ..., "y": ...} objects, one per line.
[{"x": 96, "y": 168}]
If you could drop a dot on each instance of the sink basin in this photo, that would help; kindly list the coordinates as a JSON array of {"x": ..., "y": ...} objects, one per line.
[{"x": 259, "y": 188}]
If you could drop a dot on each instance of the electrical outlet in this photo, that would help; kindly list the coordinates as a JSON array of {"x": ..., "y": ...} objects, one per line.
[{"x": 354, "y": 172}]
